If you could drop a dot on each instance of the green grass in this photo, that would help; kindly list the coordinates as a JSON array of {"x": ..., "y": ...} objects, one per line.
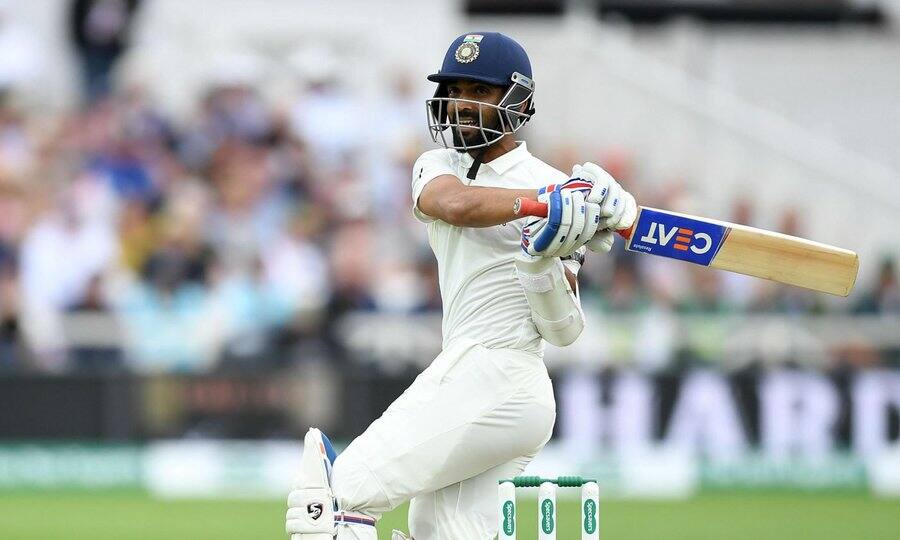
[{"x": 134, "y": 515}]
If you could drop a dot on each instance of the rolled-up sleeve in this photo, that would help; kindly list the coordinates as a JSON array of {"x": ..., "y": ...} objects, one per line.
[{"x": 429, "y": 166}]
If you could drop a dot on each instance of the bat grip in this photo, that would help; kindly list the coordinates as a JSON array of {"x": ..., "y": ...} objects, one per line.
[{"x": 529, "y": 207}]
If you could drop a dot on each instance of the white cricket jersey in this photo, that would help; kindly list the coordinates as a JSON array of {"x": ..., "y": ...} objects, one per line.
[{"x": 481, "y": 295}]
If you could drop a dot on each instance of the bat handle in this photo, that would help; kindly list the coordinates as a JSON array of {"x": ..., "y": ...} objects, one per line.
[{"x": 529, "y": 207}]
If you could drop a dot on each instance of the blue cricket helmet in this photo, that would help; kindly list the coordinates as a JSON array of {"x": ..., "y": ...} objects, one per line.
[
  {"x": 488, "y": 57},
  {"x": 491, "y": 58}
]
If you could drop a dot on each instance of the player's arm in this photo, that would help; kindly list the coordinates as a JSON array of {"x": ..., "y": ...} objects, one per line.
[
  {"x": 449, "y": 200},
  {"x": 551, "y": 288}
]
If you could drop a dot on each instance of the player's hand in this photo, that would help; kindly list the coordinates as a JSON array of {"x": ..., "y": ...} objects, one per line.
[
  {"x": 602, "y": 242},
  {"x": 618, "y": 209},
  {"x": 577, "y": 220},
  {"x": 576, "y": 183},
  {"x": 570, "y": 223},
  {"x": 543, "y": 236}
]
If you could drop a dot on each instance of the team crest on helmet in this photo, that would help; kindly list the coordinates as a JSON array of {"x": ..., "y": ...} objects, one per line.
[{"x": 467, "y": 52}]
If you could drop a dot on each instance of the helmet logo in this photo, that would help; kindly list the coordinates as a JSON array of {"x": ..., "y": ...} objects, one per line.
[{"x": 467, "y": 52}]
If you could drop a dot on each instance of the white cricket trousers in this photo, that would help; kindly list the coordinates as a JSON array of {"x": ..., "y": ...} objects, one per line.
[{"x": 474, "y": 416}]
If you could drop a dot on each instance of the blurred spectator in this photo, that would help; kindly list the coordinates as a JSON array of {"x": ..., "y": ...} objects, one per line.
[
  {"x": 294, "y": 267},
  {"x": 428, "y": 277},
  {"x": 248, "y": 211},
  {"x": 351, "y": 251},
  {"x": 16, "y": 147},
  {"x": 100, "y": 32},
  {"x": 168, "y": 318},
  {"x": 624, "y": 292},
  {"x": 20, "y": 54},
  {"x": 12, "y": 353},
  {"x": 326, "y": 115},
  {"x": 91, "y": 350},
  {"x": 395, "y": 143},
  {"x": 137, "y": 235},
  {"x": 292, "y": 167},
  {"x": 232, "y": 115},
  {"x": 705, "y": 294},
  {"x": 60, "y": 255},
  {"x": 249, "y": 313},
  {"x": 884, "y": 298}
]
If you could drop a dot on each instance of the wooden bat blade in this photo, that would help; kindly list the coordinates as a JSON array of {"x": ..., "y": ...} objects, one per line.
[{"x": 788, "y": 259}]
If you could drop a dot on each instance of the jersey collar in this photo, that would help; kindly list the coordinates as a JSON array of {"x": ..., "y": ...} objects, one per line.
[
  {"x": 507, "y": 161},
  {"x": 502, "y": 163}
]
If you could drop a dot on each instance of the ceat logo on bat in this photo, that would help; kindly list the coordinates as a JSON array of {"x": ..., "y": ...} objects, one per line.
[{"x": 677, "y": 237}]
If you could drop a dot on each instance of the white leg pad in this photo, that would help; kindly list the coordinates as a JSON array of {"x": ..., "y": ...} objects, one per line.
[{"x": 311, "y": 507}]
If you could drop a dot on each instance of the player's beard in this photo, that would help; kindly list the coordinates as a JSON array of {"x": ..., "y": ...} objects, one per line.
[{"x": 472, "y": 136}]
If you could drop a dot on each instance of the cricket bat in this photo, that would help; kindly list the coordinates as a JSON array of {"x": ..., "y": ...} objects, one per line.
[{"x": 736, "y": 248}]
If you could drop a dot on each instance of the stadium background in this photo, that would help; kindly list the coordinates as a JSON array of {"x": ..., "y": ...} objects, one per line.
[{"x": 206, "y": 247}]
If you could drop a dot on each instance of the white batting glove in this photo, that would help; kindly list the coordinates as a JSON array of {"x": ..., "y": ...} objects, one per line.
[
  {"x": 542, "y": 237},
  {"x": 584, "y": 226},
  {"x": 618, "y": 209},
  {"x": 572, "y": 227}
]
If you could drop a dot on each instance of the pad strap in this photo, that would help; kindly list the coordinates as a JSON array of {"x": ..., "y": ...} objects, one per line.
[{"x": 350, "y": 518}]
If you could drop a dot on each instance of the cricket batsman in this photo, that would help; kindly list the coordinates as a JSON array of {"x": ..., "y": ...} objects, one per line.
[{"x": 484, "y": 407}]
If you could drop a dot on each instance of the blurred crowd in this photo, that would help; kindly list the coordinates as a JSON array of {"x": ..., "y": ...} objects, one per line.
[{"x": 240, "y": 235}]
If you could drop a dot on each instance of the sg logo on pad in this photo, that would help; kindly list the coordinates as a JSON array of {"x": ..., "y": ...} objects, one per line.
[
  {"x": 315, "y": 510},
  {"x": 676, "y": 236}
]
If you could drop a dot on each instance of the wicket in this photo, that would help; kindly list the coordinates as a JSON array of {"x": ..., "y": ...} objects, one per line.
[{"x": 547, "y": 514}]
